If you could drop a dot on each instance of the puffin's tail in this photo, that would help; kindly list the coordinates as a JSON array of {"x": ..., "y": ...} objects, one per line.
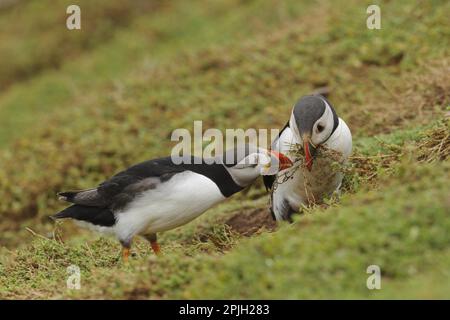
[
  {"x": 70, "y": 212},
  {"x": 95, "y": 215}
]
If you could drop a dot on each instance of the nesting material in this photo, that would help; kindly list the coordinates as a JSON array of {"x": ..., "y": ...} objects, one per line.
[
  {"x": 329, "y": 160},
  {"x": 436, "y": 144}
]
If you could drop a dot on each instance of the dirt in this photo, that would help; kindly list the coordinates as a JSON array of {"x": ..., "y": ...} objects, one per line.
[
  {"x": 138, "y": 293},
  {"x": 249, "y": 222}
]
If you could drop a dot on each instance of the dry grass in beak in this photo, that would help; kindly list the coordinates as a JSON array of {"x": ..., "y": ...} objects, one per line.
[
  {"x": 297, "y": 151},
  {"x": 323, "y": 157}
]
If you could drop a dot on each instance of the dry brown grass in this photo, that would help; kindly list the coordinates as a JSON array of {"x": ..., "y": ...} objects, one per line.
[
  {"x": 436, "y": 144},
  {"x": 414, "y": 99}
]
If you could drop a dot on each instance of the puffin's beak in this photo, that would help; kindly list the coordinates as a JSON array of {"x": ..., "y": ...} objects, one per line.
[
  {"x": 283, "y": 161},
  {"x": 309, "y": 149}
]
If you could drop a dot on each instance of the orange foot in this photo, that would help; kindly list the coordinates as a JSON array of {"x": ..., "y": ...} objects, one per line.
[
  {"x": 156, "y": 248},
  {"x": 125, "y": 254}
]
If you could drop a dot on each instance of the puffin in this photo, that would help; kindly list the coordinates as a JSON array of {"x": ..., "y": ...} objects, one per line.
[
  {"x": 162, "y": 194},
  {"x": 313, "y": 125}
]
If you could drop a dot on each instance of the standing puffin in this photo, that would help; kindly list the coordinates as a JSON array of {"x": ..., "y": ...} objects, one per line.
[
  {"x": 313, "y": 123},
  {"x": 159, "y": 195}
]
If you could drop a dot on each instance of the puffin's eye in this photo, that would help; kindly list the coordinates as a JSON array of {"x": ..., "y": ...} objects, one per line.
[{"x": 320, "y": 128}]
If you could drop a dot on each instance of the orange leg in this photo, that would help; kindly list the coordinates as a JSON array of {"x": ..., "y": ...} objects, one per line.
[
  {"x": 152, "y": 238},
  {"x": 156, "y": 248},
  {"x": 125, "y": 254},
  {"x": 126, "y": 245}
]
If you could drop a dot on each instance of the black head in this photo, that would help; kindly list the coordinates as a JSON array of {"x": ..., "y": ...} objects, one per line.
[
  {"x": 308, "y": 110},
  {"x": 315, "y": 121}
]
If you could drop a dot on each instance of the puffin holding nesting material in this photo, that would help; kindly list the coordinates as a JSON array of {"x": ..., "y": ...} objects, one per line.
[
  {"x": 160, "y": 194},
  {"x": 314, "y": 126}
]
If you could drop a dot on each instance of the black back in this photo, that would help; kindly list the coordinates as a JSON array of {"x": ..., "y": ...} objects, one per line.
[
  {"x": 164, "y": 168},
  {"x": 118, "y": 191}
]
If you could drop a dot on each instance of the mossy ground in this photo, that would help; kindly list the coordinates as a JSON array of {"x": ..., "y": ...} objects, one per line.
[{"x": 75, "y": 110}]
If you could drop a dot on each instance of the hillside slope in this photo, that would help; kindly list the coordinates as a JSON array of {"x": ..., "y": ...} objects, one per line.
[{"x": 232, "y": 64}]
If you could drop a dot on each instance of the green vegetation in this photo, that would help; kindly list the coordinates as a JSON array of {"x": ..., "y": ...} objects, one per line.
[{"x": 77, "y": 106}]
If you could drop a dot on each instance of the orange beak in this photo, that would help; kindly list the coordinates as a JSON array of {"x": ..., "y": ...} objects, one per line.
[
  {"x": 283, "y": 161},
  {"x": 309, "y": 160}
]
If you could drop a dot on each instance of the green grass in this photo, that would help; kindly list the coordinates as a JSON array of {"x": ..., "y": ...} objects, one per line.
[
  {"x": 34, "y": 37},
  {"x": 115, "y": 99},
  {"x": 325, "y": 254},
  {"x": 150, "y": 39},
  {"x": 401, "y": 225}
]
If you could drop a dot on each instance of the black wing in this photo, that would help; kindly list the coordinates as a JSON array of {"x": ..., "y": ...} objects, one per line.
[
  {"x": 119, "y": 190},
  {"x": 269, "y": 180}
]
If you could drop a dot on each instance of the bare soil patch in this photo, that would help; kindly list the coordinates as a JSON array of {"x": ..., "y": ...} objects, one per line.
[{"x": 249, "y": 222}]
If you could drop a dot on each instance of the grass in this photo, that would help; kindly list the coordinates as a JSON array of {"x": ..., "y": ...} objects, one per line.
[
  {"x": 149, "y": 38},
  {"x": 115, "y": 102}
]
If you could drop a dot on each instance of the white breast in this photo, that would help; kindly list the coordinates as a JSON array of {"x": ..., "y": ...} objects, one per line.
[{"x": 173, "y": 203}]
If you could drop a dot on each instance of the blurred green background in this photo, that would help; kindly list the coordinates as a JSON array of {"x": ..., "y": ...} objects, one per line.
[{"x": 76, "y": 106}]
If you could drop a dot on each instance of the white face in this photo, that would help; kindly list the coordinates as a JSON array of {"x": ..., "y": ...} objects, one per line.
[
  {"x": 251, "y": 167},
  {"x": 323, "y": 127},
  {"x": 258, "y": 161}
]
